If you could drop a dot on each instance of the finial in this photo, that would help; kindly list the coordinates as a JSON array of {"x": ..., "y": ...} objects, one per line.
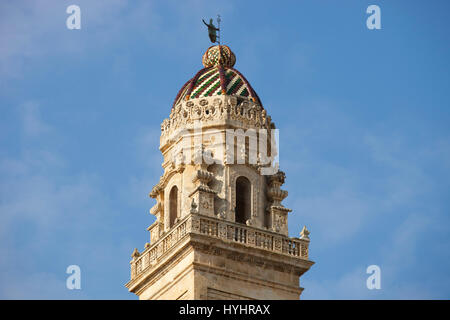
[
  {"x": 304, "y": 234},
  {"x": 135, "y": 253},
  {"x": 218, "y": 27}
]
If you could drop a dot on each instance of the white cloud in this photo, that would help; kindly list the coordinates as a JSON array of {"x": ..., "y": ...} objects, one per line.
[
  {"x": 31, "y": 31},
  {"x": 380, "y": 183},
  {"x": 35, "y": 30},
  {"x": 43, "y": 207},
  {"x": 149, "y": 168},
  {"x": 39, "y": 285},
  {"x": 31, "y": 119}
]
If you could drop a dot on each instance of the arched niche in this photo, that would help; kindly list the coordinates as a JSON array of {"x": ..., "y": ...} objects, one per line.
[
  {"x": 243, "y": 199},
  {"x": 173, "y": 205}
]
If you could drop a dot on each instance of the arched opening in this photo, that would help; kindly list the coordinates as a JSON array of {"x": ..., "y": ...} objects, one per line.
[
  {"x": 173, "y": 205},
  {"x": 243, "y": 200}
]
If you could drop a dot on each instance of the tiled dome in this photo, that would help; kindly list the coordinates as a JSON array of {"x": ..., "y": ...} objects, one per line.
[
  {"x": 219, "y": 55},
  {"x": 217, "y": 78}
]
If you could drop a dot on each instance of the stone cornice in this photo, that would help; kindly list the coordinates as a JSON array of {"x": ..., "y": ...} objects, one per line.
[{"x": 226, "y": 110}]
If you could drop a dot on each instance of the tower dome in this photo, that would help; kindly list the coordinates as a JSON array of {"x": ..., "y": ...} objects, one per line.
[{"x": 218, "y": 77}]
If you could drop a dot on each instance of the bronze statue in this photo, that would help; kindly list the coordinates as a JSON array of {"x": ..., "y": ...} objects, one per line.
[{"x": 211, "y": 30}]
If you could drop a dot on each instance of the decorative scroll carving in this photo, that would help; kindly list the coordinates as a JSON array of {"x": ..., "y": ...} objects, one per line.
[{"x": 247, "y": 112}]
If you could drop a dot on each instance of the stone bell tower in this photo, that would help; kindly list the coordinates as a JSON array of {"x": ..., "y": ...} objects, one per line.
[{"x": 221, "y": 231}]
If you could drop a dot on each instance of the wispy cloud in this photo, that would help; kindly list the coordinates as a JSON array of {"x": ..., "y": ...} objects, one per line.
[
  {"x": 31, "y": 119},
  {"x": 45, "y": 207},
  {"x": 34, "y": 30},
  {"x": 381, "y": 194}
]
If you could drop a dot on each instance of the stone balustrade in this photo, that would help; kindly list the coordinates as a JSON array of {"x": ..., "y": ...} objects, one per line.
[{"x": 220, "y": 229}]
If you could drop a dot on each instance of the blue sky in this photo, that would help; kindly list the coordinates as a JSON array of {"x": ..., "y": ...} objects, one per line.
[{"x": 364, "y": 135}]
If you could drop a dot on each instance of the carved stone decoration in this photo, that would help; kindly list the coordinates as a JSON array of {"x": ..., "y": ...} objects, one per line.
[
  {"x": 277, "y": 212},
  {"x": 203, "y": 195},
  {"x": 195, "y": 225},
  {"x": 178, "y": 159},
  {"x": 164, "y": 180},
  {"x": 156, "y": 208},
  {"x": 278, "y": 223},
  {"x": 205, "y": 198},
  {"x": 277, "y": 244},
  {"x": 205, "y": 204},
  {"x": 249, "y": 113},
  {"x": 279, "y": 219},
  {"x": 135, "y": 254},
  {"x": 304, "y": 251},
  {"x": 251, "y": 222},
  {"x": 251, "y": 238},
  {"x": 304, "y": 234},
  {"x": 222, "y": 212},
  {"x": 222, "y": 231},
  {"x": 157, "y": 189},
  {"x": 276, "y": 195},
  {"x": 193, "y": 206},
  {"x": 203, "y": 177},
  {"x": 154, "y": 230}
]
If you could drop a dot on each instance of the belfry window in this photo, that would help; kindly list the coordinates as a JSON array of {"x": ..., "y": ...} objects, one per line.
[
  {"x": 173, "y": 205},
  {"x": 243, "y": 200}
]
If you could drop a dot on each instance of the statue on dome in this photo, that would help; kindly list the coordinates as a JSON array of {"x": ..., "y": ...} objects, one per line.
[{"x": 212, "y": 30}]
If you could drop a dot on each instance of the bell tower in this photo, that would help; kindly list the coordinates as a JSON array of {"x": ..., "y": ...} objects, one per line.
[{"x": 221, "y": 231}]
